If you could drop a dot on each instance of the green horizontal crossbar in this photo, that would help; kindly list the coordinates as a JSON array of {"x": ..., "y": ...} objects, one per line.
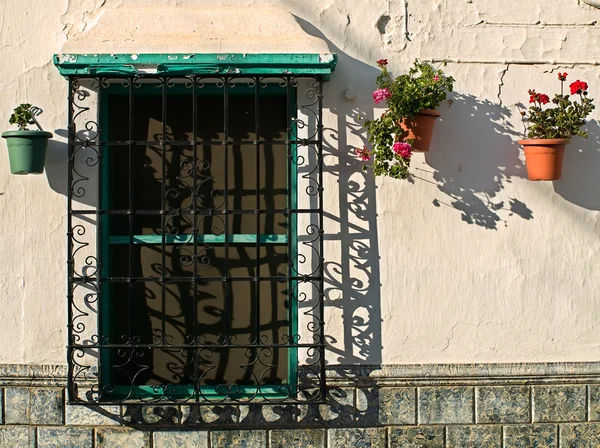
[
  {"x": 195, "y": 64},
  {"x": 185, "y": 239}
]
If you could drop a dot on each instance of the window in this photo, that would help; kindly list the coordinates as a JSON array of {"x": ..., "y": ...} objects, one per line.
[
  {"x": 212, "y": 294},
  {"x": 195, "y": 239}
]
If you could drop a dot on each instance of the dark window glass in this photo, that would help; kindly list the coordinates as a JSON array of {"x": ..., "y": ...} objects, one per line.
[{"x": 160, "y": 323}]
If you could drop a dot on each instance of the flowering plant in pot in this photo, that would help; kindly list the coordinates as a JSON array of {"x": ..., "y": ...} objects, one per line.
[
  {"x": 407, "y": 123},
  {"x": 550, "y": 128},
  {"x": 26, "y": 148}
]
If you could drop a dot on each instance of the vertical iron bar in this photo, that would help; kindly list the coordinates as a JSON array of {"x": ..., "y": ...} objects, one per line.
[
  {"x": 290, "y": 205},
  {"x": 99, "y": 231},
  {"x": 258, "y": 215},
  {"x": 321, "y": 245},
  {"x": 226, "y": 211},
  {"x": 71, "y": 132},
  {"x": 195, "y": 233},
  {"x": 130, "y": 209},
  {"x": 163, "y": 208}
]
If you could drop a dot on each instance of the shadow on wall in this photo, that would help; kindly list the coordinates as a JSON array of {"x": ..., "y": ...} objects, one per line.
[
  {"x": 56, "y": 163},
  {"x": 478, "y": 157},
  {"x": 353, "y": 284},
  {"x": 581, "y": 170},
  {"x": 56, "y": 167}
]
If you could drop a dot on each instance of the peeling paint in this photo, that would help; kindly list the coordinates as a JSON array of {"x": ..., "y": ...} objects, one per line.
[
  {"x": 326, "y": 58},
  {"x": 67, "y": 58},
  {"x": 146, "y": 68}
]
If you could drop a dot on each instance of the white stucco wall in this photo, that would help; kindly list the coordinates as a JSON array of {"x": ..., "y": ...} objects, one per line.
[{"x": 468, "y": 262}]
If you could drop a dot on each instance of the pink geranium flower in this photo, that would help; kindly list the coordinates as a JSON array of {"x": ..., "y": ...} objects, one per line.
[
  {"x": 403, "y": 149},
  {"x": 381, "y": 94}
]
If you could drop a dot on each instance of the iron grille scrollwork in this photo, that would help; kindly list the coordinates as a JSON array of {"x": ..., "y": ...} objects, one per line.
[{"x": 189, "y": 243}]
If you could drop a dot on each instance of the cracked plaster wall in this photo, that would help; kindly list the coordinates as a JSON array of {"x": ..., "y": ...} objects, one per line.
[{"x": 476, "y": 264}]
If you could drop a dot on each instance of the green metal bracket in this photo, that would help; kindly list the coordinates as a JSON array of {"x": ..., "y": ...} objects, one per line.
[{"x": 195, "y": 64}]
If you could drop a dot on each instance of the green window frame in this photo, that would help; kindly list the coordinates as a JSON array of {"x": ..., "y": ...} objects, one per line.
[
  {"x": 149, "y": 392},
  {"x": 89, "y": 158}
]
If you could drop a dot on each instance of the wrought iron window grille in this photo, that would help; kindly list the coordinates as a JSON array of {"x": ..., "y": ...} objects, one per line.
[{"x": 194, "y": 214}]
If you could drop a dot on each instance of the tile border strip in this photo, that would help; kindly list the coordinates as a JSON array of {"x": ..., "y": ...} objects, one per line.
[{"x": 473, "y": 374}]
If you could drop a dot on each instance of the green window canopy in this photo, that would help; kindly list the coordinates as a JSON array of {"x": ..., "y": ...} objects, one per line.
[{"x": 180, "y": 64}]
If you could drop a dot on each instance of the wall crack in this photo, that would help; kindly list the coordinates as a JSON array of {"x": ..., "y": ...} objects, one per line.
[{"x": 502, "y": 83}]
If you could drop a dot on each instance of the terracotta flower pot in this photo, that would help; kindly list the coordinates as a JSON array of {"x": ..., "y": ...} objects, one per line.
[
  {"x": 544, "y": 157},
  {"x": 420, "y": 129}
]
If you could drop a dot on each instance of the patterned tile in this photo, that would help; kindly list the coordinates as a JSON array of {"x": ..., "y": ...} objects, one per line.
[
  {"x": 595, "y": 402},
  {"x": 54, "y": 437},
  {"x": 256, "y": 414},
  {"x": 47, "y": 406},
  {"x": 474, "y": 437},
  {"x": 210, "y": 415},
  {"x": 357, "y": 438},
  {"x": 92, "y": 415},
  {"x": 239, "y": 439},
  {"x": 184, "y": 439},
  {"x": 507, "y": 404},
  {"x": 580, "y": 435},
  {"x": 339, "y": 410},
  {"x": 445, "y": 405},
  {"x": 151, "y": 415},
  {"x": 16, "y": 437},
  {"x": 121, "y": 438},
  {"x": 17, "y": 405},
  {"x": 417, "y": 437},
  {"x": 559, "y": 403},
  {"x": 301, "y": 438},
  {"x": 397, "y": 406},
  {"x": 367, "y": 406},
  {"x": 386, "y": 406},
  {"x": 530, "y": 436}
]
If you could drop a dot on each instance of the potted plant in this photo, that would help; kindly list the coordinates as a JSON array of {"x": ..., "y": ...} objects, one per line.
[
  {"x": 407, "y": 123},
  {"x": 550, "y": 128},
  {"x": 26, "y": 148}
]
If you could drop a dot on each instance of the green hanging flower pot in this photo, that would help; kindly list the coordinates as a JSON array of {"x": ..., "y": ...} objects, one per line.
[
  {"x": 27, "y": 151},
  {"x": 26, "y": 148}
]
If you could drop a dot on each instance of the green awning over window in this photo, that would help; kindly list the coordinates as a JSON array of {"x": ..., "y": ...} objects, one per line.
[
  {"x": 188, "y": 41},
  {"x": 195, "y": 64}
]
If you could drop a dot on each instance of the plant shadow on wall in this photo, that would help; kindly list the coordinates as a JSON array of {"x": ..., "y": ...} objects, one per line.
[
  {"x": 581, "y": 170},
  {"x": 477, "y": 157}
]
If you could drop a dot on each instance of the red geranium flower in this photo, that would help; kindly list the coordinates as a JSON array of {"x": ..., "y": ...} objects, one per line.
[
  {"x": 578, "y": 87},
  {"x": 543, "y": 98},
  {"x": 538, "y": 97}
]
